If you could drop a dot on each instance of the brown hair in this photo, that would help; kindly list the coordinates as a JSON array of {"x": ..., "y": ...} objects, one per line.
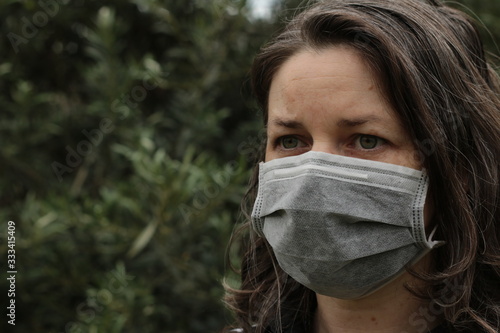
[{"x": 430, "y": 62}]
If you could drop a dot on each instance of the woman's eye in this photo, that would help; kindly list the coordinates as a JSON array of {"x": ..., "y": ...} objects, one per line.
[
  {"x": 369, "y": 141},
  {"x": 289, "y": 142}
]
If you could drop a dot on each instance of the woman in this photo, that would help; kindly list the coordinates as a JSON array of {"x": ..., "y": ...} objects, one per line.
[{"x": 376, "y": 206}]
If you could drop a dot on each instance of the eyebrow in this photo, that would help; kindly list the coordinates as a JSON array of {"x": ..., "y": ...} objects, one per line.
[
  {"x": 288, "y": 123},
  {"x": 353, "y": 122}
]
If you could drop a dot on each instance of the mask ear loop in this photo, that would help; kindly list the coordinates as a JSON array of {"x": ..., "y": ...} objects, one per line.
[
  {"x": 434, "y": 243},
  {"x": 418, "y": 216}
]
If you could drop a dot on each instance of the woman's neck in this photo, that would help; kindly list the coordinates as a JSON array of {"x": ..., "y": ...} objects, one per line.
[{"x": 392, "y": 309}]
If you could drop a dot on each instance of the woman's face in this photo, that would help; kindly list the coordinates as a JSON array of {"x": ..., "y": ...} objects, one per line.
[{"x": 329, "y": 101}]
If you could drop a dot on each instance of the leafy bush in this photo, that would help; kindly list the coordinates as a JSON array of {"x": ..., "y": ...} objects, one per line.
[{"x": 120, "y": 128}]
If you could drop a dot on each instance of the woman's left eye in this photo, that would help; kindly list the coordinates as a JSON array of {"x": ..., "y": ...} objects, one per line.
[
  {"x": 369, "y": 141},
  {"x": 289, "y": 142}
]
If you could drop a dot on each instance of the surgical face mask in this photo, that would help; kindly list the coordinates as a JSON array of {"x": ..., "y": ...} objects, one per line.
[{"x": 341, "y": 226}]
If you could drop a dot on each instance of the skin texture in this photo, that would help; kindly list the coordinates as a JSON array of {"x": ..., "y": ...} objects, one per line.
[{"x": 329, "y": 101}]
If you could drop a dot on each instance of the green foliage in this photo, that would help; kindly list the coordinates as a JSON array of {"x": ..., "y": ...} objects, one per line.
[
  {"x": 485, "y": 14},
  {"x": 121, "y": 124}
]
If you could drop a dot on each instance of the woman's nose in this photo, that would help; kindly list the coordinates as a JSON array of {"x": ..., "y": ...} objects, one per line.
[{"x": 326, "y": 146}]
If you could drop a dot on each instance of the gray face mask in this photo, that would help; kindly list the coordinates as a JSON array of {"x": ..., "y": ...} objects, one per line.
[{"x": 341, "y": 226}]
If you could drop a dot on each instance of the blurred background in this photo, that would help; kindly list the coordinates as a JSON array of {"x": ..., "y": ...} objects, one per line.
[{"x": 127, "y": 138}]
